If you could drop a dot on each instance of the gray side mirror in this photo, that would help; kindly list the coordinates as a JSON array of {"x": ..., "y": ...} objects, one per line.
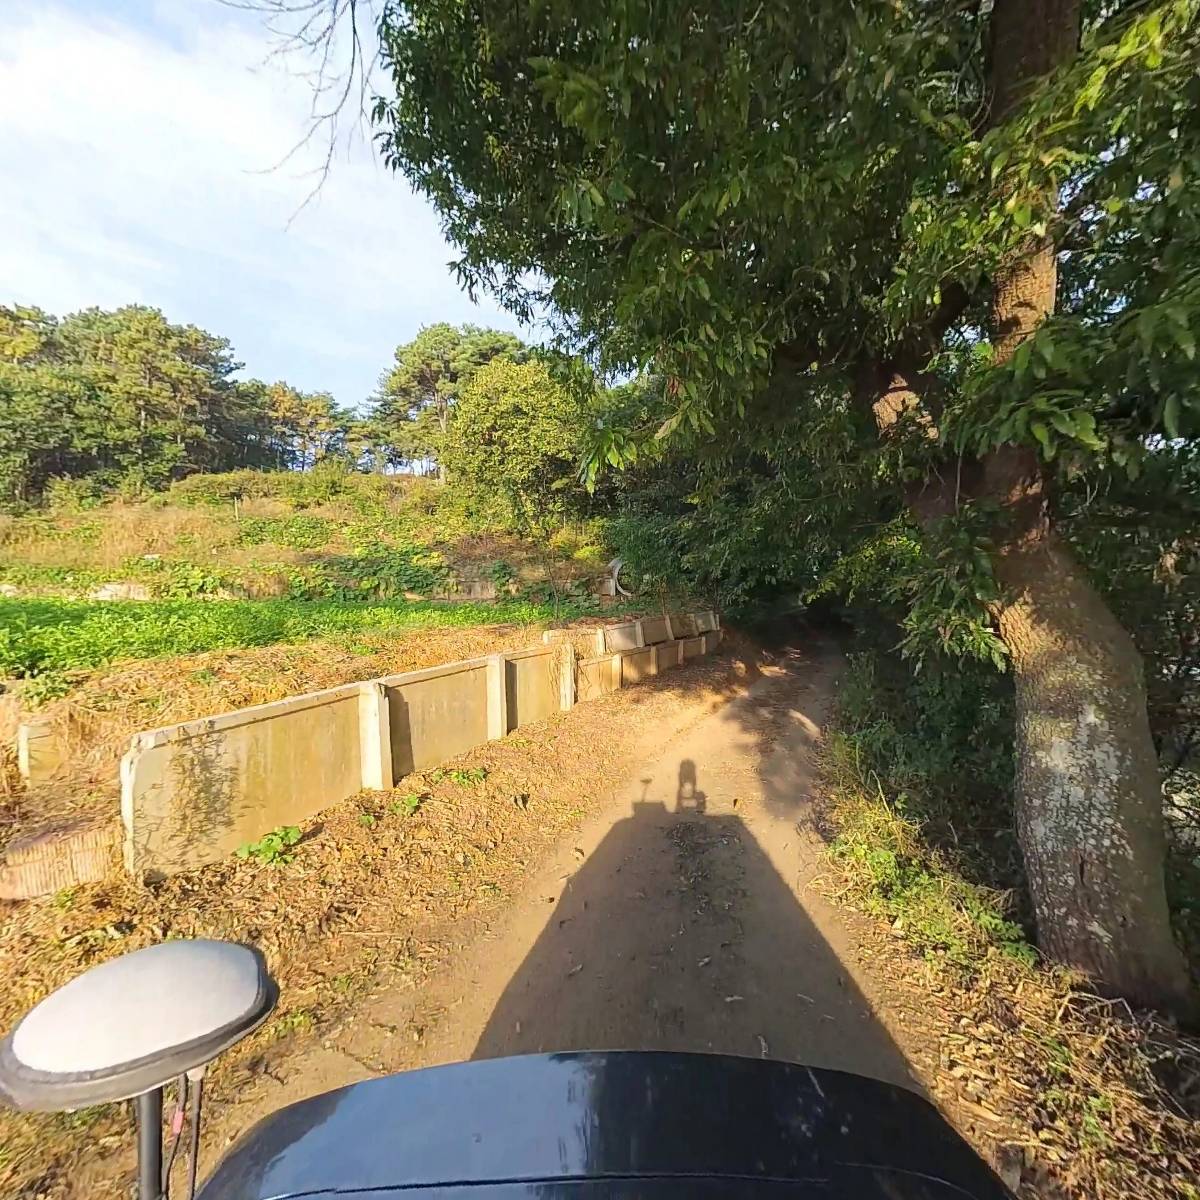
[{"x": 129, "y": 1026}]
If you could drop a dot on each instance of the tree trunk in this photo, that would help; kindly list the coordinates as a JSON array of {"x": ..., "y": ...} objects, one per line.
[{"x": 1089, "y": 807}]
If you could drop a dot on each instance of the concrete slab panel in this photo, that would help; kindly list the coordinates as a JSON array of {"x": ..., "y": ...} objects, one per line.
[
  {"x": 670, "y": 654},
  {"x": 692, "y": 647},
  {"x": 618, "y": 638},
  {"x": 533, "y": 690},
  {"x": 655, "y": 630},
  {"x": 706, "y": 622},
  {"x": 685, "y": 625},
  {"x": 594, "y": 678},
  {"x": 636, "y": 666},
  {"x": 435, "y": 715},
  {"x": 191, "y": 794}
]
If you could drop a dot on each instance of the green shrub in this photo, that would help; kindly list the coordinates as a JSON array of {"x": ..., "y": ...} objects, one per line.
[
  {"x": 39, "y": 575},
  {"x": 584, "y": 541},
  {"x": 65, "y": 495},
  {"x": 225, "y": 488},
  {"x": 178, "y": 579},
  {"x": 298, "y": 532},
  {"x": 501, "y": 574},
  {"x": 374, "y": 574}
]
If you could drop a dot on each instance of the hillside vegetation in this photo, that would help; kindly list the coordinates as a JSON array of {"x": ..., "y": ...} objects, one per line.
[{"x": 252, "y": 559}]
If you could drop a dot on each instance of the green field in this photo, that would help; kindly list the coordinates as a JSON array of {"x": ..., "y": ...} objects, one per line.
[{"x": 46, "y": 636}]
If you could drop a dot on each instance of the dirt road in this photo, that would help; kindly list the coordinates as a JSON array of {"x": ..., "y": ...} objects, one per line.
[{"x": 680, "y": 917}]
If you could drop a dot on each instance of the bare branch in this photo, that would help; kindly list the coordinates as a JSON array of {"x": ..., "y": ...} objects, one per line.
[{"x": 333, "y": 46}]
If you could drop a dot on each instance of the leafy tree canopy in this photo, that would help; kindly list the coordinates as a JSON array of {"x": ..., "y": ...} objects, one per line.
[
  {"x": 516, "y": 432},
  {"x": 127, "y": 399},
  {"x": 712, "y": 189},
  {"x": 963, "y": 236},
  {"x": 417, "y": 395}
]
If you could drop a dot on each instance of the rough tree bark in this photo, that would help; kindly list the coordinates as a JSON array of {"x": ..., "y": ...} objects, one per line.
[{"x": 1089, "y": 805}]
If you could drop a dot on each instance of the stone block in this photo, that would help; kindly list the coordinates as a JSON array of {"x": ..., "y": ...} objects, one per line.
[
  {"x": 41, "y": 755},
  {"x": 43, "y": 863},
  {"x": 120, "y": 591}
]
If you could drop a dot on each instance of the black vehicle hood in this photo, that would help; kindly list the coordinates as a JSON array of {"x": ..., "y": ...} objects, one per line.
[{"x": 619, "y": 1124}]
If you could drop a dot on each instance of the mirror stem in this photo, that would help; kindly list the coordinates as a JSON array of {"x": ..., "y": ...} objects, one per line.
[{"x": 148, "y": 1111}]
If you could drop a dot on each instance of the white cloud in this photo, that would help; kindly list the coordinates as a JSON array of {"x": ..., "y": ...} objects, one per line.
[{"x": 136, "y": 150}]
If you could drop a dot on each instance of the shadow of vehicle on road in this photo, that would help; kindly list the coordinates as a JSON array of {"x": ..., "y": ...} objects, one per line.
[{"x": 677, "y": 933}]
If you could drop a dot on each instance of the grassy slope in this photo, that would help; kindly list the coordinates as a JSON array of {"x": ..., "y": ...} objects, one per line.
[
  {"x": 357, "y": 536},
  {"x": 305, "y": 557}
]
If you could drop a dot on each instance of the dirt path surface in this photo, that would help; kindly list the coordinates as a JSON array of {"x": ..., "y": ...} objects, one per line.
[{"x": 679, "y": 917}]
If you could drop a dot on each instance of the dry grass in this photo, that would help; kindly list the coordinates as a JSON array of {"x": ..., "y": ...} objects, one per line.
[
  {"x": 319, "y": 919},
  {"x": 69, "y": 553},
  {"x": 106, "y": 538}
]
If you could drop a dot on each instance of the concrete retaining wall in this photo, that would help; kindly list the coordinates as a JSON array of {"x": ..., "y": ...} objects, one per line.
[{"x": 193, "y": 793}]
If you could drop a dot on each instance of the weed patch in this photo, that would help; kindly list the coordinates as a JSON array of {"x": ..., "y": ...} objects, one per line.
[
  {"x": 887, "y": 869},
  {"x": 274, "y": 849},
  {"x": 407, "y": 805},
  {"x": 45, "y": 636},
  {"x": 463, "y": 776}
]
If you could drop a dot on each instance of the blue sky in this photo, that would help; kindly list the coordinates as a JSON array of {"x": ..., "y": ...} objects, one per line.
[{"x": 137, "y": 137}]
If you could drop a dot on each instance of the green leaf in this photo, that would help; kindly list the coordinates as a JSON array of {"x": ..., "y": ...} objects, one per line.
[
  {"x": 1062, "y": 422},
  {"x": 1170, "y": 415}
]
